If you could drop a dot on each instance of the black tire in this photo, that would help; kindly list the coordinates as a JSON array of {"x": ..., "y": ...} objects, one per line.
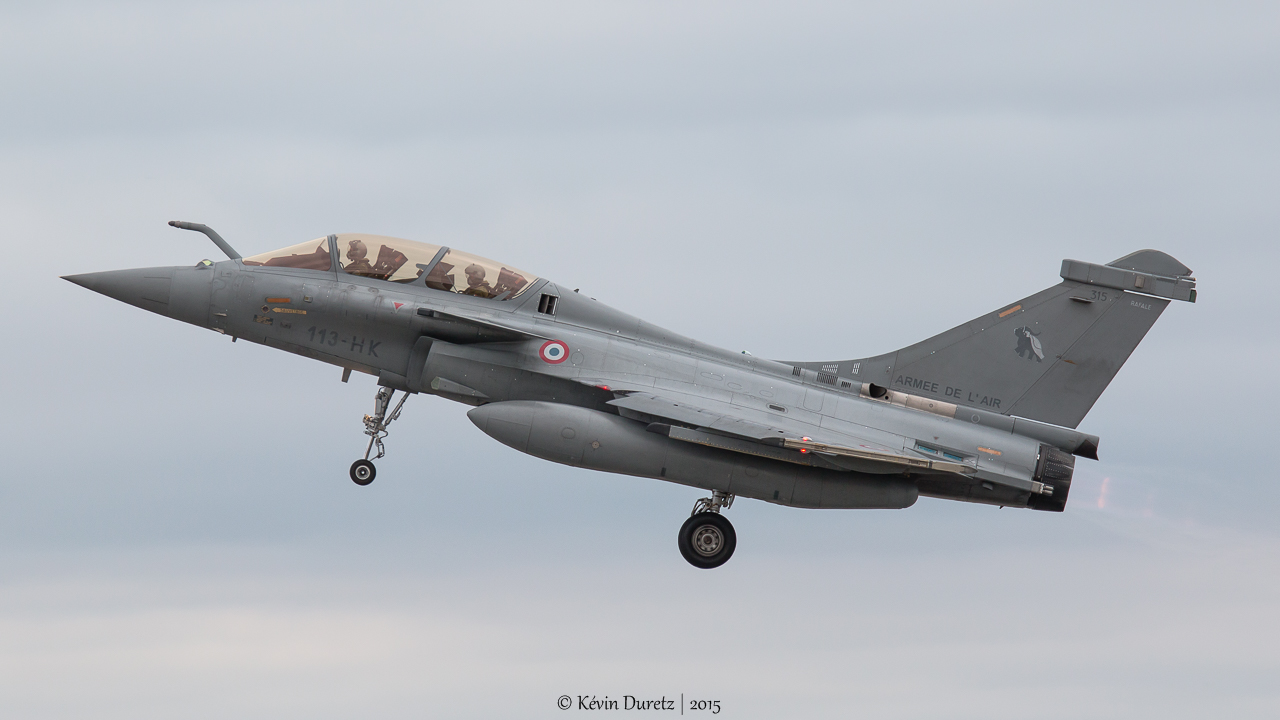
[
  {"x": 707, "y": 540},
  {"x": 363, "y": 472}
]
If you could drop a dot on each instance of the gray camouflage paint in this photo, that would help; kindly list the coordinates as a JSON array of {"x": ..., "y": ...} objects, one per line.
[{"x": 633, "y": 398}]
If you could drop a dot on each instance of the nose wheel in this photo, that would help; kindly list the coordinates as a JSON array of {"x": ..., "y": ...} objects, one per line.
[
  {"x": 707, "y": 539},
  {"x": 375, "y": 426},
  {"x": 363, "y": 472}
]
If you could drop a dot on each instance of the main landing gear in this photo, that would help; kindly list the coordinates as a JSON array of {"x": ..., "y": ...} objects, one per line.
[
  {"x": 375, "y": 426},
  {"x": 707, "y": 539}
]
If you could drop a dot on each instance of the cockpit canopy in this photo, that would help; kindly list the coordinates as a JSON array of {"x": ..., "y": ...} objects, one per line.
[
  {"x": 405, "y": 262},
  {"x": 312, "y": 255}
]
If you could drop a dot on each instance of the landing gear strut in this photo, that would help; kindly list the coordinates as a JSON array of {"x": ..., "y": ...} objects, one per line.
[
  {"x": 707, "y": 539},
  {"x": 375, "y": 426}
]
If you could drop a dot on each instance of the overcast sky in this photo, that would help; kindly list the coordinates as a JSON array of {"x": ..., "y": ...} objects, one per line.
[{"x": 178, "y": 535}]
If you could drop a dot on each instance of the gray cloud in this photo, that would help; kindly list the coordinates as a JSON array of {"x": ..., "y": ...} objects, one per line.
[{"x": 179, "y": 533}]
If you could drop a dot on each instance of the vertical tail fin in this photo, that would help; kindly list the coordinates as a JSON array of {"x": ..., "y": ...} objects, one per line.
[{"x": 1047, "y": 357}]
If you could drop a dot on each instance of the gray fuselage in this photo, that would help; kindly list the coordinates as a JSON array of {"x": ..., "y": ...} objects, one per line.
[{"x": 489, "y": 354}]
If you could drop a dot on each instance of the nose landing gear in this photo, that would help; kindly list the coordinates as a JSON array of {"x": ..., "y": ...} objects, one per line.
[
  {"x": 363, "y": 472},
  {"x": 375, "y": 426},
  {"x": 707, "y": 539}
]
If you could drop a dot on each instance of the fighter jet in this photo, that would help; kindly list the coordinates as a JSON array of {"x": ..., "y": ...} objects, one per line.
[{"x": 985, "y": 412}]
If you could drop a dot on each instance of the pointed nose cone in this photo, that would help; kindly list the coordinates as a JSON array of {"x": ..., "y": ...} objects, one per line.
[
  {"x": 147, "y": 288},
  {"x": 181, "y": 293}
]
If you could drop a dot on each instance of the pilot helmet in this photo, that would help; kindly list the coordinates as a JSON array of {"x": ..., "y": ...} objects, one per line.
[{"x": 356, "y": 250}]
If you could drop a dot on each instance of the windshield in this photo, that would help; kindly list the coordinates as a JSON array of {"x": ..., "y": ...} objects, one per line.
[
  {"x": 312, "y": 255},
  {"x": 403, "y": 261}
]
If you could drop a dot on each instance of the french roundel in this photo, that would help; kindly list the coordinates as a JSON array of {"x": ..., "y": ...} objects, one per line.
[{"x": 554, "y": 352}]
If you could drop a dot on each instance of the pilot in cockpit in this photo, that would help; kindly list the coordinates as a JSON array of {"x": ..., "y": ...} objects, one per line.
[
  {"x": 358, "y": 254},
  {"x": 475, "y": 282}
]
